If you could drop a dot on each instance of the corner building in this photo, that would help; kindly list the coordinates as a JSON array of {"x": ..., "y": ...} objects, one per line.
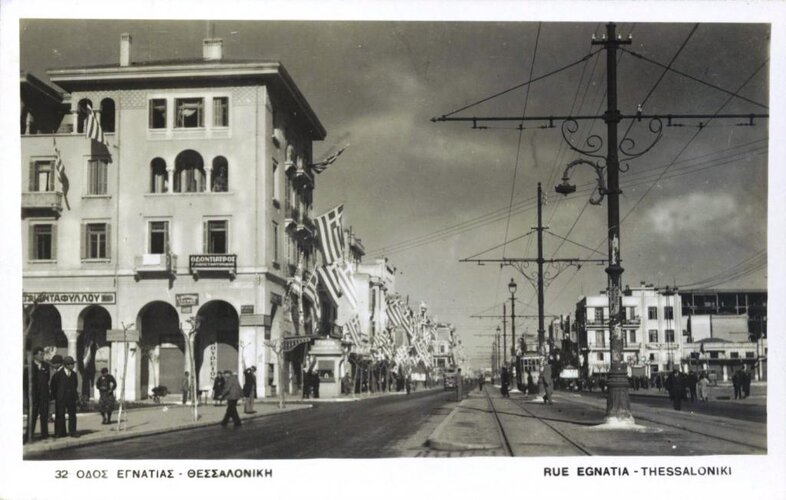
[{"x": 198, "y": 208}]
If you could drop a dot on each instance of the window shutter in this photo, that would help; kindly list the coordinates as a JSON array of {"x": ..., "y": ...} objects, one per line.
[
  {"x": 31, "y": 241},
  {"x": 109, "y": 241},
  {"x": 204, "y": 237},
  {"x": 83, "y": 241},
  {"x": 54, "y": 241},
  {"x": 31, "y": 185}
]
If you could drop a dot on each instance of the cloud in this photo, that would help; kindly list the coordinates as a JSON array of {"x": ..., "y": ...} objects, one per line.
[{"x": 696, "y": 214}]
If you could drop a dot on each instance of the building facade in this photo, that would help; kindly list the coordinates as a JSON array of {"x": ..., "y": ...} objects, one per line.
[{"x": 191, "y": 219}]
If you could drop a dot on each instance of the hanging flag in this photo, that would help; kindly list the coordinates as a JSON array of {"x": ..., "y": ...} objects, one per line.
[
  {"x": 353, "y": 327},
  {"x": 93, "y": 128},
  {"x": 311, "y": 293},
  {"x": 61, "y": 174},
  {"x": 331, "y": 234},
  {"x": 320, "y": 167},
  {"x": 394, "y": 312},
  {"x": 338, "y": 281}
]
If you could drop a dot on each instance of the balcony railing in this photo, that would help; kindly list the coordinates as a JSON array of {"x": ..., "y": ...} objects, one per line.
[
  {"x": 154, "y": 264},
  {"x": 43, "y": 200}
]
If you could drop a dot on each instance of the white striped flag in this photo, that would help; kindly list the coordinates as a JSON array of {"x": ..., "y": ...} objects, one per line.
[
  {"x": 353, "y": 327},
  {"x": 311, "y": 293},
  {"x": 61, "y": 174},
  {"x": 338, "y": 281},
  {"x": 93, "y": 128},
  {"x": 394, "y": 312},
  {"x": 320, "y": 167},
  {"x": 331, "y": 234}
]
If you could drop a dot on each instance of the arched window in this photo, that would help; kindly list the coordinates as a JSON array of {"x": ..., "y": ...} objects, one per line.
[
  {"x": 220, "y": 176},
  {"x": 159, "y": 180},
  {"x": 108, "y": 115},
  {"x": 82, "y": 114},
  {"x": 189, "y": 172}
]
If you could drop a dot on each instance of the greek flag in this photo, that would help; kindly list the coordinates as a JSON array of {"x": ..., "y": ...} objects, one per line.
[{"x": 331, "y": 234}]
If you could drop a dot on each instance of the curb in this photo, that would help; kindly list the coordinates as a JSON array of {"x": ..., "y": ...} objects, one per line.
[{"x": 135, "y": 434}]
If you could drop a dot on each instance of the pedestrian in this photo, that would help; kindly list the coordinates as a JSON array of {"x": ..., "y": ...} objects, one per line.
[
  {"x": 746, "y": 382},
  {"x": 658, "y": 383},
  {"x": 408, "y": 383},
  {"x": 704, "y": 387},
  {"x": 676, "y": 387},
  {"x": 737, "y": 383},
  {"x": 232, "y": 393},
  {"x": 64, "y": 389},
  {"x": 315, "y": 381},
  {"x": 590, "y": 383},
  {"x": 548, "y": 383},
  {"x": 504, "y": 382},
  {"x": 218, "y": 389},
  {"x": 693, "y": 380},
  {"x": 106, "y": 385},
  {"x": 249, "y": 389},
  {"x": 531, "y": 388},
  {"x": 185, "y": 386},
  {"x": 40, "y": 388}
]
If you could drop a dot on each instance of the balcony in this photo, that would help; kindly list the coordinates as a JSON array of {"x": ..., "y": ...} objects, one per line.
[
  {"x": 43, "y": 201},
  {"x": 291, "y": 218},
  {"x": 305, "y": 227},
  {"x": 301, "y": 176},
  {"x": 154, "y": 265}
]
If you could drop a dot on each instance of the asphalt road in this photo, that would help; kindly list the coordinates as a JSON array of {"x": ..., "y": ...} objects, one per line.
[
  {"x": 361, "y": 429},
  {"x": 751, "y": 410}
]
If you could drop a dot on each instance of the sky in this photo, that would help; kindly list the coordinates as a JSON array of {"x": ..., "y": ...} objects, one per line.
[{"x": 426, "y": 195}]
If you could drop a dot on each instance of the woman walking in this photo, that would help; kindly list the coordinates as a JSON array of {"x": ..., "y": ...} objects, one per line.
[{"x": 106, "y": 386}]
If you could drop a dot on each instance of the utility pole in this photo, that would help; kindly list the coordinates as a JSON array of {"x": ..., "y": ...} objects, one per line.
[
  {"x": 504, "y": 337},
  {"x": 541, "y": 331}
]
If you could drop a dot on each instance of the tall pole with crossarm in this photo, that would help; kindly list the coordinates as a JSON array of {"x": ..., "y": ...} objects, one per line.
[{"x": 618, "y": 400}]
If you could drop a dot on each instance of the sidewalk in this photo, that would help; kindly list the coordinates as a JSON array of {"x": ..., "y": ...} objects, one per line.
[
  {"x": 574, "y": 426},
  {"x": 158, "y": 419}
]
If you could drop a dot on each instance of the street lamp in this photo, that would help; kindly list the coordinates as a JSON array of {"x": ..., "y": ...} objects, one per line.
[
  {"x": 512, "y": 287},
  {"x": 499, "y": 361}
]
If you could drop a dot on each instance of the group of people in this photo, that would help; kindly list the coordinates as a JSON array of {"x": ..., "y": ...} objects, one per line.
[
  {"x": 545, "y": 384},
  {"x": 741, "y": 380},
  {"x": 56, "y": 380}
]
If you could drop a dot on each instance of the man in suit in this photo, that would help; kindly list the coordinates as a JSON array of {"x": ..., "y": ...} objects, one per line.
[
  {"x": 64, "y": 389},
  {"x": 548, "y": 383},
  {"x": 40, "y": 409},
  {"x": 250, "y": 389}
]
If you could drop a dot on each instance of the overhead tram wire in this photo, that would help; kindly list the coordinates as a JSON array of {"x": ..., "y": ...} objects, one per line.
[
  {"x": 676, "y": 157},
  {"x": 634, "y": 180}
]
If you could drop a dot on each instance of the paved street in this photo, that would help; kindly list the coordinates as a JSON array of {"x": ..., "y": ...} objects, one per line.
[{"x": 361, "y": 429}]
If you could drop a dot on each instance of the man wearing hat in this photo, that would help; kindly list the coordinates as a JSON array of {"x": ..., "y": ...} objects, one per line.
[
  {"x": 64, "y": 389},
  {"x": 40, "y": 409}
]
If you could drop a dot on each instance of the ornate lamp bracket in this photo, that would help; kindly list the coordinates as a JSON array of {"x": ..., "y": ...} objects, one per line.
[{"x": 566, "y": 187}]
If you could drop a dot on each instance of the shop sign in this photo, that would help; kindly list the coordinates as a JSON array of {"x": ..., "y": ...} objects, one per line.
[
  {"x": 122, "y": 336},
  {"x": 212, "y": 261},
  {"x": 247, "y": 309},
  {"x": 187, "y": 299},
  {"x": 69, "y": 297},
  {"x": 185, "y": 309}
]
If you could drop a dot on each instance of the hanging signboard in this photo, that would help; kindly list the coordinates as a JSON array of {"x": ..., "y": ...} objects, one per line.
[{"x": 187, "y": 299}]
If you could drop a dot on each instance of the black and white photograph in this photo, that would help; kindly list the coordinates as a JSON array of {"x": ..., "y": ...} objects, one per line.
[{"x": 506, "y": 246}]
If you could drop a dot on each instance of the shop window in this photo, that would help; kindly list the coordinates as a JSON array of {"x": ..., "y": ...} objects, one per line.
[
  {"x": 42, "y": 242},
  {"x": 97, "y": 176},
  {"x": 220, "y": 111},
  {"x": 108, "y": 115},
  {"x": 216, "y": 236},
  {"x": 159, "y": 178},
  {"x": 159, "y": 237},
  {"x": 95, "y": 241},
  {"x": 156, "y": 113},
  {"x": 42, "y": 175},
  {"x": 189, "y": 113}
]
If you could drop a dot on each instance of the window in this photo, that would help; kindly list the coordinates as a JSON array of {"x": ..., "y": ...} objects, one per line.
[
  {"x": 159, "y": 178},
  {"x": 600, "y": 356},
  {"x": 189, "y": 172},
  {"x": 220, "y": 111},
  {"x": 652, "y": 356},
  {"x": 714, "y": 355},
  {"x": 159, "y": 237},
  {"x": 189, "y": 113},
  {"x": 276, "y": 186},
  {"x": 220, "y": 177},
  {"x": 96, "y": 176},
  {"x": 652, "y": 313},
  {"x": 81, "y": 114},
  {"x": 631, "y": 336},
  {"x": 600, "y": 340},
  {"x": 275, "y": 241},
  {"x": 95, "y": 241},
  {"x": 668, "y": 312},
  {"x": 653, "y": 334},
  {"x": 107, "y": 115},
  {"x": 156, "y": 112},
  {"x": 42, "y": 176},
  {"x": 599, "y": 314},
  {"x": 669, "y": 336},
  {"x": 216, "y": 236},
  {"x": 654, "y": 368},
  {"x": 749, "y": 354},
  {"x": 734, "y": 355},
  {"x": 42, "y": 242}
]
